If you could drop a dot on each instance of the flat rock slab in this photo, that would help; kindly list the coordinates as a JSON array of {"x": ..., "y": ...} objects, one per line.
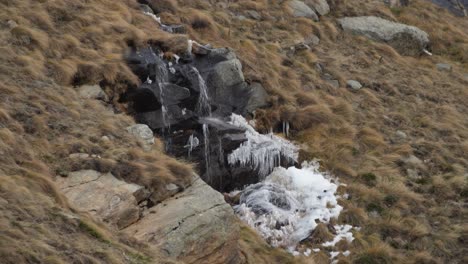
[
  {"x": 195, "y": 226},
  {"x": 407, "y": 40},
  {"x": 102, "y": 195}
]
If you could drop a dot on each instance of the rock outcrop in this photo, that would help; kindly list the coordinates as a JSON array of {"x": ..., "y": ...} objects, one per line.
[
  {"x": 102, "y": 195},
  {"x": 407, "y": 40},
  {"x": 189, "y": 103},
  {"x": 195, "y": 226}
]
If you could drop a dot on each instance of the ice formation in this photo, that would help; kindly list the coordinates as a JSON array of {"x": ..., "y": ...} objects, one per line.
[
  {"x": 156, "y": 18},
  {"x": 342, "y": 232},
  {"x": 261, "y": 152},
  {"x": 287, "y": 206}
]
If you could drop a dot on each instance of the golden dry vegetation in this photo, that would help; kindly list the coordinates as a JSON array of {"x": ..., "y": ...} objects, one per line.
[{"x": 405, "y": 218}]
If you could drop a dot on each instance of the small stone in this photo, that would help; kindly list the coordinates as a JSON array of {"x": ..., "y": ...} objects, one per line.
[
  {"x": 334, "y": 83},
  {"x": 105, "y": 138},
  {"x": 172, "y": 187},
  {"x": 399, "y": 137},
  {"x": 253, "y": 14},
  {"x": 413, "y": 174},
  {"x": 142, "y": 132},
  {"x": 444, "y": 67},
  {"x": 241, "y": 17},
  {"x": 12, "y": 24},
  {"x": 319, "y": 67},
  {"x": 312, "y": 40},
  {"x": 92, "y": 92},
  {"x": 354, "y": 85},
  {"x": 78, "y": 156}
]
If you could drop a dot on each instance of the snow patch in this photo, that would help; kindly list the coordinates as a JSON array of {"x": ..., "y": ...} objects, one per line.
[{"x": 287, "y": 206}]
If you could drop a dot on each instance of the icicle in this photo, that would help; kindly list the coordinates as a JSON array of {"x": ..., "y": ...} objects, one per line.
[
  {"x": 261, "y": 152},
  {"x": 177, "y": 58},
  {"x": 427, "y": 52}
]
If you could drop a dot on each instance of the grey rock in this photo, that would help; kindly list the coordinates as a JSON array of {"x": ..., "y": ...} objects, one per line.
[
  {"x": 143, "y": 133},
  {"x": 312, "y": 40},
  {"x": 413, "y": 162},
  {"x": 172, "y": 189},
  {"x": 354, "y": 85},
  {"x": 300, "y": 9},
  {"x": 193, "y": 225},
  {"x": 78, "y": 156},
  {"x": 253, "y": 14},
  {"x": 465, "y": 76},
  {"x": 444, "y": 67},
  {"x": 334, "y": 83},
  {"x": 258, "y": 98},
  {"x": 92, "y": 92},
  {"x": 408, "y": 40},
  {"x": 11, "y": 24},
  {"x": 320, "y": 6},
  {"x": 241, "y": 17},
  {"x": 399, "y": 137},
  {"x": 101, "y": 195},
  {"x": 228, "y": 73}
]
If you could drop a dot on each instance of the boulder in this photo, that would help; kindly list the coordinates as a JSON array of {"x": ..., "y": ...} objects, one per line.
[
  {"x": 102, "y": 195},
  {"x": 444, "y": 67},
  {"x": 300, "y": 9},
  {"x": 227, "y": 73},
  {"x": 320, "y": 6},
  {"x": 407, "y": 40},
  {"x": 194, "y": 226},
  {"x": 143, "y": 133},
  {"x": 258, "y": 98},
  {"x": 92, "y": 92},
  {"x": 354, "y": 85}
]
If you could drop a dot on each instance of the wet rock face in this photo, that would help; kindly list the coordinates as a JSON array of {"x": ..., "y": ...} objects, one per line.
[{"x": 188, "y": 101}]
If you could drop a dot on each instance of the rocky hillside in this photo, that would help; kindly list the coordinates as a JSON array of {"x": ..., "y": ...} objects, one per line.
[{"x": 123, "y": 138}]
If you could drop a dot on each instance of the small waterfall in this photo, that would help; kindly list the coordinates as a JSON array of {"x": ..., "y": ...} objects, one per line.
[
  {"x": 203, "y": 106},
  {"x": 286, "y": 129},
  {"x": 206, "y": 139},
  {"x": 192, "y": 143}
]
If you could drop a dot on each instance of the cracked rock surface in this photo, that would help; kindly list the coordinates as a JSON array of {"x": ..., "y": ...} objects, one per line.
[
  {"x": 196, "y": 224},
  {"x": 102, "y": 195}
]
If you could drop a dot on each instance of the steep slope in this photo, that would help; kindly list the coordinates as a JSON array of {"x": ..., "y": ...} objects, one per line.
[{"x": 400, "y": 142}]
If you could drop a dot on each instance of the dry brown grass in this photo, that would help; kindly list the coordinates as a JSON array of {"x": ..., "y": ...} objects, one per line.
[{"x": 73, "y": 42}]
